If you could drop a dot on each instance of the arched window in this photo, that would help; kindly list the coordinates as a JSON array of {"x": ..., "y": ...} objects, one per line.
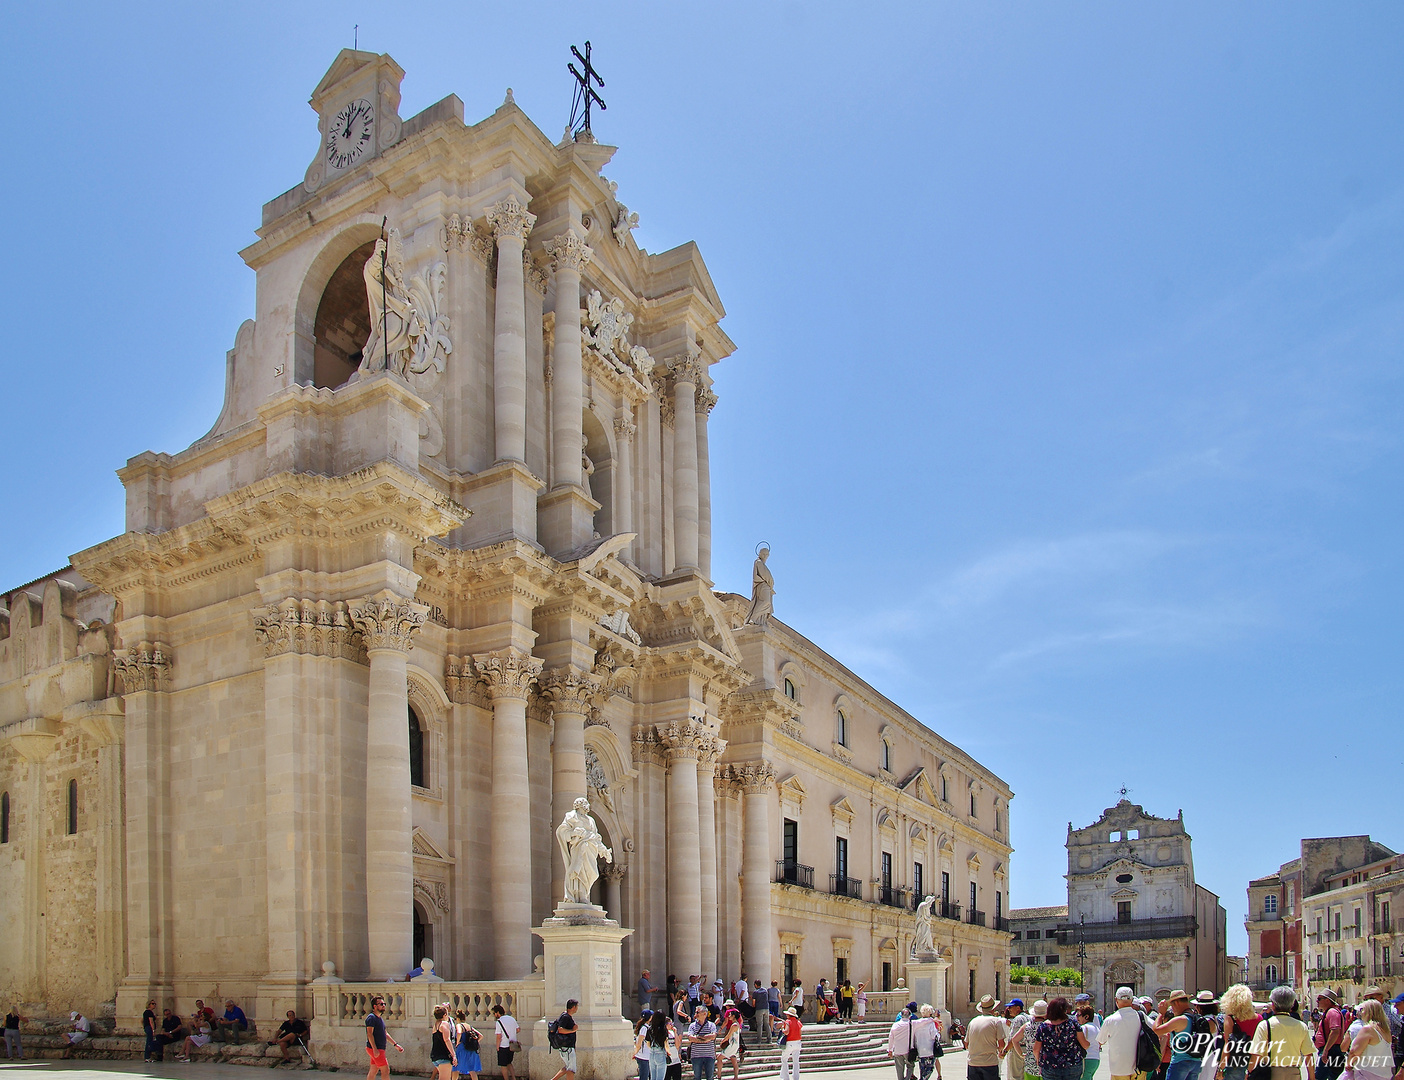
[
  {"x": 5, "y": 818},
  {"x": 885, "y": 755},
  {"x": 416, "y": 749},
  {"x": 1270, "y": 973},
  {"x": 72, "y": 807},
  {"x": 790, "y": 691},
  {"x": 842, "y": 729}
]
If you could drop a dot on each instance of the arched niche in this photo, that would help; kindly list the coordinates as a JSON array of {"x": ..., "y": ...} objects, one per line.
[
  {"x": 598, "y": 451},
  {"x": 332, "y": 271},
  {"x": 342, "y": 325}
]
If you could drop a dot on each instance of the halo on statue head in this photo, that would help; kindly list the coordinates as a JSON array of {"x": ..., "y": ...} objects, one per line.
[{"x": 764, "y": 545}]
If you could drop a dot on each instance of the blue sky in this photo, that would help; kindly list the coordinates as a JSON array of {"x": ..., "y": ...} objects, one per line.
[{"x": 1068, "y": 383}]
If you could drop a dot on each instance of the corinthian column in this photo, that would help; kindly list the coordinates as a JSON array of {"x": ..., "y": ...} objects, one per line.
[
  {"x": 570, "y": 692},
  {"x": 510, "y": 225},
  {"x": 509, "y": 674},
  {"x": 705, "y": 400},
  {"x": 387, "y": 623},
  {"x": 756, "y": 780},
  {"x": 708, "y": 752},
  {"x": 570, "y": 255},
  {"x": 682, "y": 744},
  {"x": 624, "y": 475},
  {"x": 686, "y": 375}
]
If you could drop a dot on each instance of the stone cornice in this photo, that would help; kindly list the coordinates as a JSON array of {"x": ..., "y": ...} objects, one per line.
[{"x": 174, "y": 558}]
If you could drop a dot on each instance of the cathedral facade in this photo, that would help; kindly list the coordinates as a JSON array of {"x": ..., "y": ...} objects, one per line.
[{"x": 441, "y": 567}]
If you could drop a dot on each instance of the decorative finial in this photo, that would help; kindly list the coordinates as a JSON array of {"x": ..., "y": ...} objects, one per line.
[{"x": 509, "y": 99}]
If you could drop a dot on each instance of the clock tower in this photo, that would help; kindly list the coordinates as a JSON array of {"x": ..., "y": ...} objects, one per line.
[{"x": 357, "y": 105}]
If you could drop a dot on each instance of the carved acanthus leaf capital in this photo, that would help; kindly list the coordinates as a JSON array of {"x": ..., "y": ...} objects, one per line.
[
  {"x": 144, "y": 666},
  {"x": 570, "y": 691},
  {"x": 755, "y": 777},
  {"x": 710, "y": 748},
  {"x": 458, "y": 233},
  {"x": 614, "y": 872},
  {"x": 625, "y": 428},
  {"x": 510, "y": 218},
  {"x": 569, "y": 252},
  {"x": 463, "y": 683},
  {"x": 509, "y": 673},
  {"x": 533, "y": 274},
  {"x": 387, "y": 621},
  {"x": 706, "y": 401},
  {"x": 687, "y": 369},
  {"x": 684, "y": 739},
  {"x": 309, "y": 627}
]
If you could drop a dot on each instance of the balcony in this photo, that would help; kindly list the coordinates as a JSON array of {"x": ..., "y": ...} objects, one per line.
[
  {"x": 1001, "y": 923},
  {"x": 946, "y": 910},
  {"x": 975, "y": 918},
  {"x": 793, "y": 873},
  {"x": 1384, "y": 926},
  {"x": 1135, "y": 930},
  {"x": 893, "y": 897},
  {"x": 1344, "y": 973},
  {"x": 842, "y": 885}
]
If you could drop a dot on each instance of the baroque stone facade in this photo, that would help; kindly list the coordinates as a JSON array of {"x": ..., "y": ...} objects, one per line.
[{"x": 441, "y": 567}]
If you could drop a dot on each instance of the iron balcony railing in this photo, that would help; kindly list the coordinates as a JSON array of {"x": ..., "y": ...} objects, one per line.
[
  {"x": 1001, "y": 923},
  {"x": 1343, "y": 973},
  {"x": 946, "y": 910},
  {"x": 1384, "y": 926},
  {"x": 1135, "y": 930},
  {"x": 975, "y": 918},
  {"x": 842, "y": 885},
  {"x": 892, "y": 896},
  {"x": 793, "y": 873}
]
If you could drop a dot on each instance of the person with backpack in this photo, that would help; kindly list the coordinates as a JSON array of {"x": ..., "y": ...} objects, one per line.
[
  {"x": 467, "y": 1047},
  {"x": 1240, "y": 1020},
  {"x": 1177, "y": 1030},
  {"x": 561, "y": 1033},
  {"x": 1120, "y": 1034}
]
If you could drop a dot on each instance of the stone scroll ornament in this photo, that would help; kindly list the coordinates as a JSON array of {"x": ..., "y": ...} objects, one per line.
[
  {"x": 409, "y": 330},
  {"x": 582, "y": 847}
]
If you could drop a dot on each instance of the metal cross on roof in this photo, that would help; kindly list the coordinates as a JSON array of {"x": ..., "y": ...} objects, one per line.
[
  {"x": 585, "y": 94},
  {"x": 1123, "y": 791}
]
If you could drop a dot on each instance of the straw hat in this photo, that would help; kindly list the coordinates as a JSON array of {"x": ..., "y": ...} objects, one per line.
[{"x": 1040, "y": 1008}]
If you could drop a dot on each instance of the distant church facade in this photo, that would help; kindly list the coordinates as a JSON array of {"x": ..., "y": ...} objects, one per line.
[{"x": 441, "y": 567}]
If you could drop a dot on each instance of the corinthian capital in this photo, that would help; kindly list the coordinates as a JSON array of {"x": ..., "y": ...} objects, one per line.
[
  {"x": 508, "y": 673},
  {"x": 705, "y": 401},
  {"x": 709, "y": 748},
  {"x": 686, "y": 369},
  {"x": 312, "y": 627},
  {"x": 569, "y": 252},
  {"x": 510, "y": 218},
  {"x": 144, "y": 666},
  {"x": 387, "y": 621},
  {"x": 684, "y": 739},
  {"x": 624, "y": 428},
  {"x": 755, "y": 777},
  {"x": 570, "y": 691}
]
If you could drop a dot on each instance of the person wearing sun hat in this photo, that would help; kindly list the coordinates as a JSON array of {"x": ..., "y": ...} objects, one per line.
[
  {"x": 791, "y": 1029},
  {"x": 985, "y": 1041},
  {"x": 1037, "y": 1014},
  {"x": 1330, "y": 1036}
]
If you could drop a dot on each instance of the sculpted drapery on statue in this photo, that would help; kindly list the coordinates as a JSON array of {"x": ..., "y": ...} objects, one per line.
[
  {"x": 581, "y": 849},
  {"x": 407, "y": 321},
  {"x": 922, "y": 943},
  {"x": 762, "y": 591}
]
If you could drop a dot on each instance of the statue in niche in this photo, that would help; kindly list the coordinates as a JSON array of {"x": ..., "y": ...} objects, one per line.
[
  {"x": 587, "y": 467},
  {"x": 923, "y": 944},
  {"x": 582, "y": 847},
  {"x": 762, "y": 590},
  {"x": 409, "y": 331}
]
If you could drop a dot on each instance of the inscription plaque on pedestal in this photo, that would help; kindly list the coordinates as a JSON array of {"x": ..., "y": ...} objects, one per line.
[{"x": 604, "y": 980}]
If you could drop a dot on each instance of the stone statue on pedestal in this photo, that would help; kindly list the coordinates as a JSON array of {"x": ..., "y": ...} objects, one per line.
[
  {"x": 923, "y": 944},
  {"x": 762, "y": 591},
  {"x": 581, "y": 848}
]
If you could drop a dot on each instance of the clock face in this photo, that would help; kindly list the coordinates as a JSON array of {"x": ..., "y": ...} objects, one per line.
[{"x": 349, "y": 134}]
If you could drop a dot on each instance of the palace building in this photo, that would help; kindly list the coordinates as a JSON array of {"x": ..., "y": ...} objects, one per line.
[{"x": 442, "y": 566}]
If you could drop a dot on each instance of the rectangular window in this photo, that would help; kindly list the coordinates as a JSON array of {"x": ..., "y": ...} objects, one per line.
[
  {"x": 1318, "y": 929},
  {"x": 887, "y": 870},
  {"x": 972, "y": 984},
  {"x": 918, "y": 884},
  {"x": 1291, "y": 898},
  {"x": 1015, "y": 960},
  {"x": 840, "y": 970},
  {"x": 972, "y": 804},
  {"x": 1123, "y": 911},
  {"x": 945, "y": 887},
  {"x": 945, "y": 790},
  {"x": 999, "y": 907},
  {"x": 1357, "y": 922},
  {"x": 1336, "y": 930},
  {"x": 887, "y": 975},
  {"x": 1269, "y": 904},
  {"x": 1018, "y": 934},
  {"x": 1384, "y": 960},
  {"x": 791, "y": 841},
  {"x": 1051, "y": 959},
  {"x": 790, "y": 970},
  {"x": 997, "y": 987},
  {"x": 974, "y": 892},
  {"x": 841, "y": 857}
]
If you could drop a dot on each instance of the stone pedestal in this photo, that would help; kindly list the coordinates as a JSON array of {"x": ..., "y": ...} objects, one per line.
[
  {"x": 582, "y": 961},
  {"x": 926, "y": 975}
]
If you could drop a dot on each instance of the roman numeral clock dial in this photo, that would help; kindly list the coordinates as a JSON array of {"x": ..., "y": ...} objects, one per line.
[{"x": 349, "y": 135}]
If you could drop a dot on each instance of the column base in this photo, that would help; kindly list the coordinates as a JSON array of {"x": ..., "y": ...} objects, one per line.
[
  {"x": 503, "y": 500},
  {"x": 582, "y": 961},
  {"x": 565, "y": 519}
]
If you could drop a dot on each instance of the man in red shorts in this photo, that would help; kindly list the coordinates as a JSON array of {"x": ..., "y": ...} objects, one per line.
[{"x": 376, "y": 1038}]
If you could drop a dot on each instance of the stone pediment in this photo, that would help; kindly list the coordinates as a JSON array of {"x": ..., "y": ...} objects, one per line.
[
  {"x": 425, "y": 848},
  {"x": 1125, "y": 894},
  {"x": 842, "y": 810},
  {"x": 919, "y": 786},
  {"x": 792, "y": 791},
  {"x": 1120, "y": 865}
]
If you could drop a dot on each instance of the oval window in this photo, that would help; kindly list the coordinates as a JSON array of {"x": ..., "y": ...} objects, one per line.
[{"x": 1122, "y": 879}]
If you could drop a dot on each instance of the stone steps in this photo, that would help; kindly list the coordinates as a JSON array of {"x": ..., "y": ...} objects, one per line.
[
  {"x": 45, "y": 1040},
  {"x": 830, "y": 1047}
]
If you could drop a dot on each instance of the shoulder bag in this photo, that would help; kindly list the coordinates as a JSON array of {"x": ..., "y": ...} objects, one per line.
[
  {"x": 911, "y": 1042},
  {"x": 1264, "y": 1069}
]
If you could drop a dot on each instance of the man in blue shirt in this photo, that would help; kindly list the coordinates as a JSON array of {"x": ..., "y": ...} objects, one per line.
[{"x": 228, "y": 1027}]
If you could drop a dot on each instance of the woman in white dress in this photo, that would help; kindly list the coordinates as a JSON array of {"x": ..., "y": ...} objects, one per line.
[{"x": 860, "y": 1001}]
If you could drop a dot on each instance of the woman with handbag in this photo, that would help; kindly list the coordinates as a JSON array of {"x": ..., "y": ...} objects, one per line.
[
  {"x": 468, "y": 1049},
  {"x": 1282, "y": 1043},
  {"x": 1240, "y": 1022},
  {"x": 927, "y": 1037}
]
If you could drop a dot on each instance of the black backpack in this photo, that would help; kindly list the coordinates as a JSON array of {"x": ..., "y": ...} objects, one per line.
[
  {"x": 1147, "y": 1049},
  {"x": 552, "y": 1035}
]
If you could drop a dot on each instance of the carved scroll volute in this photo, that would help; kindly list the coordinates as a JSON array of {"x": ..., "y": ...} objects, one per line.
[{"x": 387, "y": 621}]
